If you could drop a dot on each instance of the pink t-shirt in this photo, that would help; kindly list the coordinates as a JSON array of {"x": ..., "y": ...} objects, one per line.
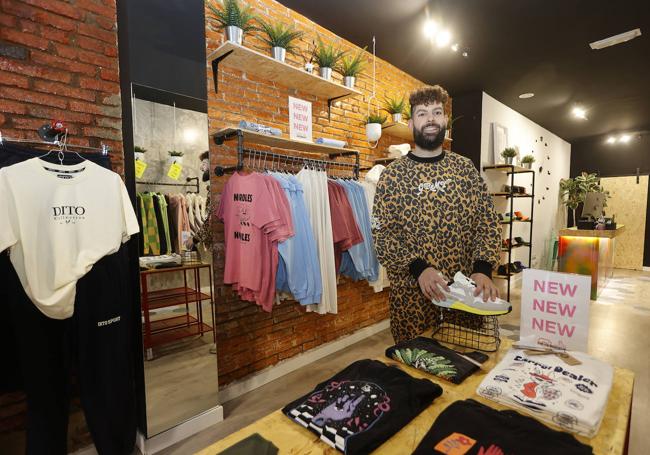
[{"x": 256, "y": 216}]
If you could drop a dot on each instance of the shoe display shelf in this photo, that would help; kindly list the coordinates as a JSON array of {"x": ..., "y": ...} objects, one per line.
[{"x": 512, "y": 170}]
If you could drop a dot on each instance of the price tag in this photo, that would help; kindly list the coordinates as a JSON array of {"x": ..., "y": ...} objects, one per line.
[
  {"x": 175, "y": 171},
  {"x": 140, "y": 167}
]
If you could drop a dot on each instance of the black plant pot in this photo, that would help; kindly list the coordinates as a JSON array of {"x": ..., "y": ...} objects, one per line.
[{"x": 586, "y": 224}]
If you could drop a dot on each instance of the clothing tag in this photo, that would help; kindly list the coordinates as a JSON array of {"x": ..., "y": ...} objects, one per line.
[
  {"x": 64, "y": 176},
  {"x": 140, "y": 167},
  {"x": 174, "y": 171},
  {"x": 186, "y": 236}
]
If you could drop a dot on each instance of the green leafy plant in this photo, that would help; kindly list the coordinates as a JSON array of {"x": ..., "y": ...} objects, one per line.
[
  {"x": 394, "y": 105},
  {"x": 574, "y": 190},
  {"x": 528, "y": 159},
  {"x": 454, "y": 120},
  {"x": 229, "y": 13},
  {"x": 175, "y": 153},
  {"x": 138, "y": 149},
  {"x": 351, "y": 66},
  {"x": 376, "y": 118},
  {"x": 509, "y": 152},
  {"x": 326, "y": 55},
  {"x": 280, "y": 35},
  {"x": 407, "y": 111}
]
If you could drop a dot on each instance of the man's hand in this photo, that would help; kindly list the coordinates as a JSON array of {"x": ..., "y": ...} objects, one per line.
[
  {"x": 431, "y": 283},
  {"x": 484, "y": 285}
]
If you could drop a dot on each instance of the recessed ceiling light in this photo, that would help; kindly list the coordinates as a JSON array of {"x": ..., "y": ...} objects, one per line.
[
  {"x": 465, "y": 53},
  {"x": 430, "y": 28},
  {"x": 579, "y": 112},
  {"x": 454, "y": 47},
  {"x": 611, "y": 140},
  {"x": 443, "y": 38},
  {"x": 523, "y": 96},
  {"x": 625, "y": 138},
  {"x": 616, "y": 39}
]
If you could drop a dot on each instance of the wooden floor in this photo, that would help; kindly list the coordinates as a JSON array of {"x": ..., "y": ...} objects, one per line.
[{"x": 620, "y": 335}]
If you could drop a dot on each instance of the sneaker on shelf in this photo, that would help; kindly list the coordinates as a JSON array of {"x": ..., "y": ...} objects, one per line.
[
  {"x": 521, "y": 216},
  {"x": 505, "y": 218},
  {"x": 461, "y": 297},
  {"x": 520, "y": 241},
  {"x": 519, "y": 265}
]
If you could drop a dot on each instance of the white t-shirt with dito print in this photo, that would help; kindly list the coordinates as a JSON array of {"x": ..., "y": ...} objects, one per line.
[{"x": 58, "y": 221}]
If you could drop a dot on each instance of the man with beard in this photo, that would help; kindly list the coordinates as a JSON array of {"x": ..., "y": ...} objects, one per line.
[{"x": 432, "y": 217}]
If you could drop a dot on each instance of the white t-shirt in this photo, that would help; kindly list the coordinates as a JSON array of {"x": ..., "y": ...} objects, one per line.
[{"x": 58, "y": 221}]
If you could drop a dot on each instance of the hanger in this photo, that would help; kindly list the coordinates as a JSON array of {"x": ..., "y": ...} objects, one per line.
[{"x": 62, "y": 148}]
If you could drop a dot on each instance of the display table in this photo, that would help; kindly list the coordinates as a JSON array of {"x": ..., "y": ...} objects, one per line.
[
  {"x": 588, "y": 252},
  {"x": 289, "y": 437}
]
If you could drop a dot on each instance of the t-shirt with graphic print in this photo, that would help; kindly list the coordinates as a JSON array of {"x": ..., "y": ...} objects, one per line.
[
  {"x": 429, "y": 356},
  {"x": 362, "y": 406},
  {"x": 471, "y": 428},
  {"x": 58, "y": 221}
]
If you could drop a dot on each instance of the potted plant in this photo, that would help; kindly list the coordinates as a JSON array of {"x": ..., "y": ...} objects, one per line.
[
  {"x": 508, "y": 154},
  {"x": 395, "y": 107},
  {"x": 175, "y": 157},
  {"x": 407, "y": 111},
  {"x": 280, "y": 38},
  {"x": 450, "y": 126},
  {"x": 350, "y": 67},
  {"x": 326, "y": 57},
  {"x": 573, "y": 191},
  {"x": 139, "y": 152},
  {"x": 373, "y": 126},
  {"x": 527, "y": 161},
  {"x": 232, "y": 17}
]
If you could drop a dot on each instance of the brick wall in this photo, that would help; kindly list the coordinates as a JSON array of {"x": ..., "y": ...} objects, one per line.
[
  {"x": 58, "y": 59},
  {"x": 249, "y": 339}
]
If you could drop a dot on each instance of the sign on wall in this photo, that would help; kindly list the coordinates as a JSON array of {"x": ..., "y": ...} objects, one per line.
[
  {"x": 555, "y": 310},
  {"x": 299, "y": 119}
]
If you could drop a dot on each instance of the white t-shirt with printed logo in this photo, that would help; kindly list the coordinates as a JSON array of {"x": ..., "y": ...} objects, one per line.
[{"x": 58, "y": 221}]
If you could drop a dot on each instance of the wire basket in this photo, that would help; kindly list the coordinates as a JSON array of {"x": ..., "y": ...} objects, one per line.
[{"x": 471, "y": 331}]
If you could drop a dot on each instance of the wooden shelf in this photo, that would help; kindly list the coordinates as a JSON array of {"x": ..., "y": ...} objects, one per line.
[
  {"x": 386, "y": 160},
  {"x": 503, "y": 194},
  {"x": 507, "y": 168},
  {"x": 282, "y": 142},
  {"x": 172, "y": 329},
  {"x": 265, "y": 67},
  {"x": 398, "y": 129},
  {"x": 173, "y": 297},
  {"x": 516, "y": 221}
]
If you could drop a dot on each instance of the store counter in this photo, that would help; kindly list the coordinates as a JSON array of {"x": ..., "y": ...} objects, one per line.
[
  {"x": 290, "y": 437},
  {"x": 588, "y": 252}
]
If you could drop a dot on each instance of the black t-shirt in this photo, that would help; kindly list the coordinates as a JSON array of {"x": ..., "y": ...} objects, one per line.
[
  {"x": 359, "y": 408},
  {"x": 470, "y": 428},
  {"x": 429, "y": 356}
]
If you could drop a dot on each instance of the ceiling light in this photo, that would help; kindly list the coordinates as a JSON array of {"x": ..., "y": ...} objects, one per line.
[
  {"x": 625, "y": 138},
  {"x": 465, "y": 52},
  {"x": 454, "y": 47},
  {"x": 430, "y": 28},
  {"x": 579, "y": 112},
  {"x": 524, "y": 96},
  {"x": 443, "y": 38},
  {"x": 616, "y": 39},
  {"x": 611, "y": 140}
]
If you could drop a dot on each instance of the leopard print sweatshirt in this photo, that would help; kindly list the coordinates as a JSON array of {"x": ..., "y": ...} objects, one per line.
[{"x": 434, "y": 212}]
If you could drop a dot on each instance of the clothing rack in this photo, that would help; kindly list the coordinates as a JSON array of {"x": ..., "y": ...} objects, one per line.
[
  {"x": 262, "y": 160},
  {"x": 188, "y": 179},
  {"x": 104, "y": 149}
]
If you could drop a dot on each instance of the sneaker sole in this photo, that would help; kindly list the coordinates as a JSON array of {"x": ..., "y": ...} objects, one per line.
[{"x": 456, "y": 305}]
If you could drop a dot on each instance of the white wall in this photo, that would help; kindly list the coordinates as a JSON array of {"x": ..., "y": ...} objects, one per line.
[{"x": 552, "y": 153}]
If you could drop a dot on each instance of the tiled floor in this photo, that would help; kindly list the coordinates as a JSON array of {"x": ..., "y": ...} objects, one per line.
[{"x": 619, "y": 334}]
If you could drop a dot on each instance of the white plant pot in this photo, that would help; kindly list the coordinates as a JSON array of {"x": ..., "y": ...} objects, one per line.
[
  {"x": 509, "y": 159},
  {"x": 279, "y": 53},
  {"x": 397, "y": 117},
  {"x": 139, "y": 156},
  {"x": 325, "y": 73},
  {"x": 349, "y": 81},
  {"x": 174, "y": 159},
  {"x": 234, "y": 34},
  {"x": 373, "y": 131},
  {"x": 527, "y": 165},
  {"x": 309, "y": 67}
]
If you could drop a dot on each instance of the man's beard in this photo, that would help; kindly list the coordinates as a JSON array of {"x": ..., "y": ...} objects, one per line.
[{"x": 427, "y": 142}]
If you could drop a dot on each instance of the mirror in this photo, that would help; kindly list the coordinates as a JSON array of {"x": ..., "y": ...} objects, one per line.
[{"x": 177, "y": 298}]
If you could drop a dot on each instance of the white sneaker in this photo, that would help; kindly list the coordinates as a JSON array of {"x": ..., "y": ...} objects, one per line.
[{"x": 461, "y": 297}]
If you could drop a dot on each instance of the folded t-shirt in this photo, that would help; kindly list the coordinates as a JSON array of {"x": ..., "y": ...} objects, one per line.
[
  {"x": 429, "y": 356},
  {"x": 470, "y": 428},
  {"x": 362, "y": 406}
]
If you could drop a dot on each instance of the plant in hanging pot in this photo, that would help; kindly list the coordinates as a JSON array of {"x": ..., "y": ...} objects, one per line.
[
  {"x": 350, "y": 68},
  {"x": 450, "y": 126},
  {"x": 395, "y": 107},
  {"x": 509, "y": 154},
  {"x": 280, "y": 38},
  {"x": 373, "y": 126},
  {"x": 139, "y": 152},
  {"x": 232, "y": 17},
  {"x": 175, "y": 157},
  {"x": 527, "y": 161},
  {"x": 326, "y": 57}
]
